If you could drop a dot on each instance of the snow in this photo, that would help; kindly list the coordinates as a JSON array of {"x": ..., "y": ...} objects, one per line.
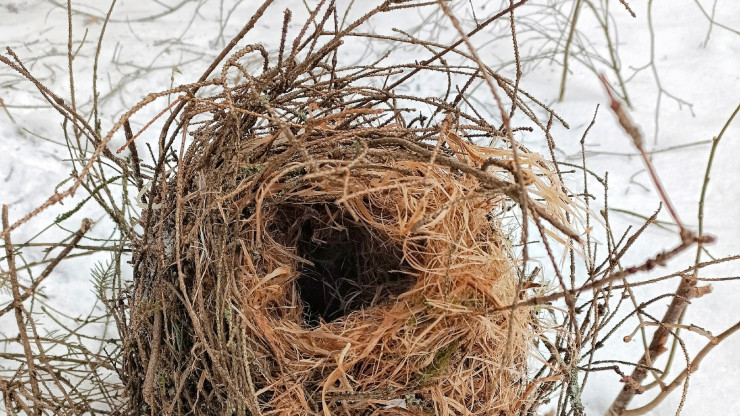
[{"x": 140, "y": 54}]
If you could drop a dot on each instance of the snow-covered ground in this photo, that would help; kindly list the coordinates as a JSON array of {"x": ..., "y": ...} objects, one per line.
[{"x": 147, "y": 48}]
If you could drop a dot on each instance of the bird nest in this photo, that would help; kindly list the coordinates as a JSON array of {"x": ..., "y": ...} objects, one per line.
[{"x": 315, "y": 248}]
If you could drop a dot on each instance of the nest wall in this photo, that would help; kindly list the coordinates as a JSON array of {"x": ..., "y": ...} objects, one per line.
[
  {"x": 311, "y": 247},
  {"x": 407, "y": 253}
]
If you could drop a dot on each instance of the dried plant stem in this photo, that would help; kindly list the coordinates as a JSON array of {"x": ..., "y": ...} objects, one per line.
[
  {"x": 634, "y": 132},
  {"x": 569, "y": 41},
  {"x": 86, "y": 225},
  {"x": 151, "y": 371},
  {"x": 453, "y": 46},
  {"x": 627, "y": 6},
  {"x": 70, "y": 58},
  {"x": 20, "y": 314},
  {"x": 705, "y": 184},
  {"x": 517, "y": 165},
  {"x": 99, "y": 47},
  {"x": 69, "y": 114},
  {"x": 700, "y": 247},
  {"x": 658, "y": 260},
  {"x": 666, "y": 390},
  {"x": 677, "y": 308}
]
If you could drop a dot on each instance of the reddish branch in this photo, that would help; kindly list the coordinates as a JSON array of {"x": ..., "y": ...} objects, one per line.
[{"x": 686, "y": 289}]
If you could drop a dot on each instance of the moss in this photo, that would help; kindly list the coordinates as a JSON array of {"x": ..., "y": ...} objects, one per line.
[
  {"x": 251, "y": 169},
  {"x": 439, "y": 364}
]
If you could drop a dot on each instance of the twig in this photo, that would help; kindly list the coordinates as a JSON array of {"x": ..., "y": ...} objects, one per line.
[
  {"x": 31, "y": 290},
  {"x": 19, "y": 314},
  {"x": 700, "y": 247},
  {"x": 678, "y": 305},
  {"x": 658, "y": 260},
  {"x": 685, "y": 373},
  {"x": 634, "y": 132}
]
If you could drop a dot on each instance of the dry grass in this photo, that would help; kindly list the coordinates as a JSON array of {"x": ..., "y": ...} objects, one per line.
[{"x": 314, "y": 252}]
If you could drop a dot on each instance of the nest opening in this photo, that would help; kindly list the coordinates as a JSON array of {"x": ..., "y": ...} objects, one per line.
[{"x": 344, "y": 266}]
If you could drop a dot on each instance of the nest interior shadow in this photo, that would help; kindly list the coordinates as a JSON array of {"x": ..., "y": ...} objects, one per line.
[{"x": 344, "y": 266}]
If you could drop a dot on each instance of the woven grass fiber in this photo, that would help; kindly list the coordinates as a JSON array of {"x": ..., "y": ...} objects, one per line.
[{"x": 315, "y": 247}]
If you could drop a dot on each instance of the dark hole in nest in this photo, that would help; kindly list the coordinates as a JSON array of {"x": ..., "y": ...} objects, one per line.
[{"x": 347, "y": 267}]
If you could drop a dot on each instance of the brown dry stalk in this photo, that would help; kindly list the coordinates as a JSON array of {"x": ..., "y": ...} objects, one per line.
[
  {"x": 686, "y": 289},
  {"x": 126, "y": 123},
  {"x": 694, "y": 366},
  {"x": 69, "y": 114},
  {"x": 658, "y": 260},
  {"x": 636, "y": 135},
  {"x": 21, "y": 314},
  {"x": 153, "y": 367},
  {"x": 31, "y": 290}
]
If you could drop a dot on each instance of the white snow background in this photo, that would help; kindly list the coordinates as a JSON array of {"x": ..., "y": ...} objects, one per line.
[{"x": 699, "y": 71}]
